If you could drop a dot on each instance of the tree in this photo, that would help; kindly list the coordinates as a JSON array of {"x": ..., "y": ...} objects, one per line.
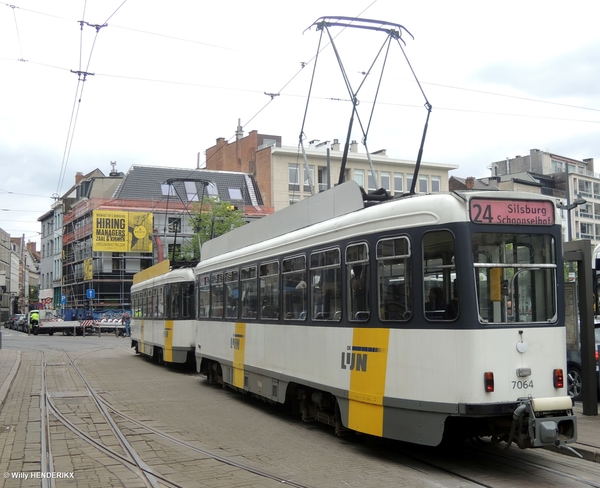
[{"x": 212, "y": 218}]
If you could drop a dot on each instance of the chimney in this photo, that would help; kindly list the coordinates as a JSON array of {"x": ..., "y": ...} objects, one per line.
[
  {"x": 78, "y": 177},
  {"x": 470, "y": 182},
  {"x": 353, "y": 146},
  {"x": 336, "y": 145},
  {"x": 239, "y": 133}
]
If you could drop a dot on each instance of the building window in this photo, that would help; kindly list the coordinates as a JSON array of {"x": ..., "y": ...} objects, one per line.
[
  {"x": 167, "y": 190},
  {"x": 212, "y": 190},
  {"x": 293, "y": 179},
  {"x": 322, "y": 175},
  {"x": 385, "y": 181},
  {"x": 423, "y": 184},
  {"x": 585, "y": 188},
  {"x": 235, "y": 194},
  {"x": 398, "y": 183},
  {"x": 372, "y": 182},
  {"x": 557, "y": 167},
  {"x": 435, "y": 184},
  {"x": 359, "y": 177},
  {"x": 586, "y": 230},
  {"x": 409, "y": 180},
  {"x": 174, "y": 224},
  {"x": 191, "y": 191}
]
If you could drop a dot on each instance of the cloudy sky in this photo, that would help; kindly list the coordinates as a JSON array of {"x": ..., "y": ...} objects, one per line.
[{"x": 166, "y": 79}]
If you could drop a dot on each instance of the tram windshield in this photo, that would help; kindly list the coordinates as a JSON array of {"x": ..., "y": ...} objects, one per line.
[{"x": 515, "y": 276}]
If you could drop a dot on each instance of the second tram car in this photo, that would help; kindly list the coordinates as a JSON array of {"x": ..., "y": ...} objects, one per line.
[
  {"x": 163, "y": 322},
  {"x": 413, "y": 319}
]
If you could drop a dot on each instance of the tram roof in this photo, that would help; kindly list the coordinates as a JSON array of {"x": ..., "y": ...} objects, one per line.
[
  {"x": 337, "y": 201},
  {"x": 344, "y": 200}
]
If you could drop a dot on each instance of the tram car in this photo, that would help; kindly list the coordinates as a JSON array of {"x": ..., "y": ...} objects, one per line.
[
  {"x": 163, "y": 322},
  {"x": 418, "y": 318}
]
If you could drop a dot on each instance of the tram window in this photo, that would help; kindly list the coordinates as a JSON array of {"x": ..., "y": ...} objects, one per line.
[
  {"x": 187, "y": 303},
  {"x": 394, "y": 279},
  {"x": 440, "y": 299},
  {"x": 326, "y": 285},
  {"x": 137, "y": 305},
  {"x": 147, "y": 304},
  {"x": 295, "y": 298},
  {"x": 515, "y": 275},
  {"x": 203, "y": 284},
  {"x": 160, "y": 303},
  {"x": 232, "y": 288},
  {"x": 154, "y": 306},
  {"x": 216, "y": 296},
  {"x": 269, "y": 290},
  {"x": 357, "y": 271},
  {"x": 174, "y": 299},
  {"x": 249, "y": 292}
]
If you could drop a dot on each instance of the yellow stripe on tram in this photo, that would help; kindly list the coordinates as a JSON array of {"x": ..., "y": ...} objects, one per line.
[
  {"x": 168, "y": 350},
  {"x": 238, "y": 343},
  {"x": 367, "y": 363}
]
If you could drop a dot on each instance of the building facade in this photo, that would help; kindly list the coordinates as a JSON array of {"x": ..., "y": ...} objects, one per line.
[
  {"x": 569, "y": 180},
  {"x": 88, "y": 268},
  {"x": 283, "y": 178}
]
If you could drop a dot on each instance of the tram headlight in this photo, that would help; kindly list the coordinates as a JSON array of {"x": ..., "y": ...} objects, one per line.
[
  {"x": 488, "y": 379},
  {"x": 558, "y": 378}
]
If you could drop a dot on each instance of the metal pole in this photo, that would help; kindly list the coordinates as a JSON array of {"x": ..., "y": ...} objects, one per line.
[{"x": 569, "y": 231}]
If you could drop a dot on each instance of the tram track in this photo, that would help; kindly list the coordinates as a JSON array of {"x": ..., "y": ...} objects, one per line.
[
  {"x": 473, "y": 463},
  {"x": 78, "y": 398},
  {"x": 128, "y": 456}
]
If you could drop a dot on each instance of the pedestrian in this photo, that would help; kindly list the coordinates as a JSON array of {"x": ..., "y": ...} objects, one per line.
[{"x": 126, "y": 320}]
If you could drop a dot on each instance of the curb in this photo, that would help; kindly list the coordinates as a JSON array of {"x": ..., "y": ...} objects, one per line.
[{"x": 9, "y": 379}]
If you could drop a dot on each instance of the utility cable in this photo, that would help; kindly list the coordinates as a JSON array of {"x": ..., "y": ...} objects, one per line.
[
  {"x": 82, "y": 76},
  {"x": 14, "y": 7}
]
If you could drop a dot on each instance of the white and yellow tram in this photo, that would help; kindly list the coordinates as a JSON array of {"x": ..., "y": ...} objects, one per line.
[
  {"x": 412, "y": 319},
  {"x": 163, "y": 324}
]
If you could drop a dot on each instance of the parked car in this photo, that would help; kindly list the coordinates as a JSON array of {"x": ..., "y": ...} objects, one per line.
[
  {"x": 574, "y": 379},
  {"x": 16, "y": 320}
]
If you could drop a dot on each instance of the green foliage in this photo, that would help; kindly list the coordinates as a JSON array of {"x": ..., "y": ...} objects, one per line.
[{"x": 210, "y": 219}]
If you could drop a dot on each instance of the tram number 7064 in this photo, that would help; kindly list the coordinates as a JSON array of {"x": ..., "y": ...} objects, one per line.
[{"x": 522, "y": 385}]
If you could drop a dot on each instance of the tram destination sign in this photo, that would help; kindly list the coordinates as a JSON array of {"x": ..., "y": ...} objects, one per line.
[{"x": 511, "y": 212}]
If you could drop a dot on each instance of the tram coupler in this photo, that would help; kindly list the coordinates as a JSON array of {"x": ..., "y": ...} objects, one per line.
[{"x": 539, "y": 422}]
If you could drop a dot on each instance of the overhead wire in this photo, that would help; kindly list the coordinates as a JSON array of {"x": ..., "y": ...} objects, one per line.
[
  {"x": 81, "y": 78},
  {"x": 68, "y": 145}
]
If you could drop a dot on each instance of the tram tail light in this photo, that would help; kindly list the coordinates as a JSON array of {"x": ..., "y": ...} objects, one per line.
[
  {"x": 488, "y": 378},
  {"x": 559, "y": 378}
]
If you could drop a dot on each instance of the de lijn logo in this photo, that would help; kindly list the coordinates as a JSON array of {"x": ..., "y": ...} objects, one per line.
[{"x": 355, "y": 357}]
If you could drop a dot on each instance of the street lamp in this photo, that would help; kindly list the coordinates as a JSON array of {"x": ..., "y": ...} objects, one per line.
[{"x": 568, "y": 207}]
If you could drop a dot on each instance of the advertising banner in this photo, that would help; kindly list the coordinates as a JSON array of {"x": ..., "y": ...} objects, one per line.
[{"x": 122, "y": 231}]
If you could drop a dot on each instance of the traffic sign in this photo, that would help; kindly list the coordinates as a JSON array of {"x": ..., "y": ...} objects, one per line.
[
  {"x": 91, "y": 293},
  {"x": 63, "y": 299}
]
